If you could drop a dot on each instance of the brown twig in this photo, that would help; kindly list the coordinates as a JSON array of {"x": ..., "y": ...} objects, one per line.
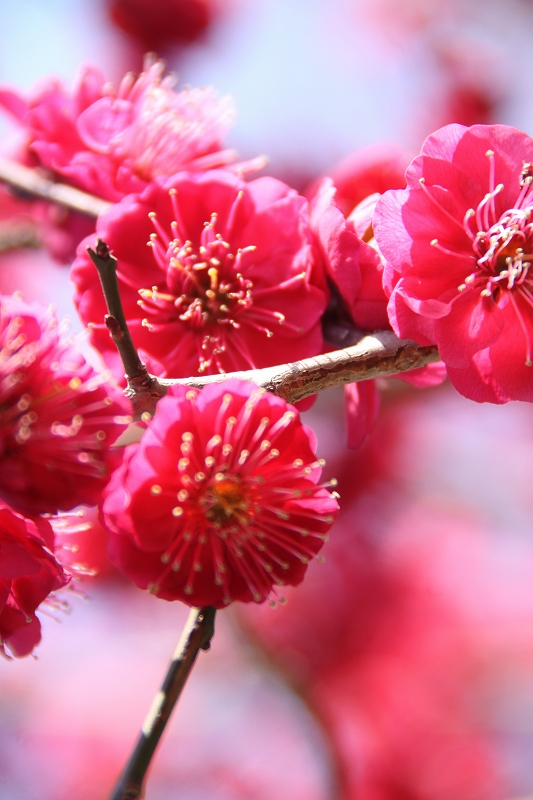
[
  {"x": 29, "y": 181},
  {"x": 380, "y": 355},
  {"x": 144, "y": 390},
  {"x": 377, "y": 356},
  {"x": 196, "y": 636}
]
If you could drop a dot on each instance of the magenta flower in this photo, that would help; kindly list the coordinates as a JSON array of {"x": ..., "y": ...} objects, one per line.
[
  {"x": 350, "y": 260},
  {"x": 458, "y": 245},
  {"x": 155, "y": 24},
  {"x": 28, "y": 573},
  {"x": 58, "y": 418},
  {"x": 369, "y": 170},
  {"x": 225, "y": 283},
  {"x": 115, "y": 141},
  {"x": 219, "y": 501},
  {"x": 355, "y": 266}
]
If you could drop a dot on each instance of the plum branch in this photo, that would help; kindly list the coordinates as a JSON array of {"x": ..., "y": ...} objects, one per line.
[
  {"x": 378, "y": 355},
  {"x": 144, "y": 390},
  {"x": 196, "y": 636},
  {"x": 30, "y": 183}
]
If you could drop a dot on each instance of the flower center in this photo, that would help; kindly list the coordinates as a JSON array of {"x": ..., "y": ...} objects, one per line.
[
  {"x": 502, "y": 247},
  {"x": 208, "y": 288},
  {"x": 504, "y": 253},
  {"x": 223, "y": 500},
  {"x": 205, "y": 286}
]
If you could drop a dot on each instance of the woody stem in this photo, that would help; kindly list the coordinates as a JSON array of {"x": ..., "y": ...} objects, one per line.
[
  {"x": 196, "y": 636},
  {"x": 144, "y": 390},
  {"x": 30, "y": 183},
  {"x": 378, "y": 355}
]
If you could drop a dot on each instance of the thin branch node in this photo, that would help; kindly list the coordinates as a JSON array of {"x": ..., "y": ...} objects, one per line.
[
  {"x": 143, "y": 382},
  {"x": 113, "y": 326},
  {"x": 144, "y": 391},
  {"x": 102, "y": 250},
  {"x": 207, "y": 616}
]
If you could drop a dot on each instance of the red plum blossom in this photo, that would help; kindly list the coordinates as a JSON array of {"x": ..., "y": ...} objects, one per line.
[
  {"x": 112, "y": 141},
  {"x": 220, "y": 500},
  {"x": 458, "y": 248},
  {"x": 156, "y": 23},
  {"x": 355, "y": 266},
  {"x": 224, "y": 284}
]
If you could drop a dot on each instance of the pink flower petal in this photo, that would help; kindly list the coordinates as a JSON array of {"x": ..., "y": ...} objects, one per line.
[{"x": 362, "y": 401}]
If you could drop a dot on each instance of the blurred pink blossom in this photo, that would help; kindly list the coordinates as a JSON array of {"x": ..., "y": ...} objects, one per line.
[
  {"x": 28, "y": 574},
  {"x": 113, "y": 141},
  {"x": 156, "y": 23},
  {"x": 58, "y": 417},
  {"x": 370, "y": 169}
]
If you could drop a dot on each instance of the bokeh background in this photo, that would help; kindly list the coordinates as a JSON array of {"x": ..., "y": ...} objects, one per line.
[{"x": 402, "y": 669}]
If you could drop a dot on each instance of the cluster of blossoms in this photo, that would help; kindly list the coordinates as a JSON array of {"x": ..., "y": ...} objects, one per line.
[
  {"x": 216, "y": 274},
  {"x": 220, "y": 500},
  {"x": 443, "y": 261},
  {"x": 111, "y": 141}
]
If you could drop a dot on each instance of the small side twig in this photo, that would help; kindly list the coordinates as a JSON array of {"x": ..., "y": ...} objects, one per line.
[
  {"x": 196, "y": 636},
  {"x": 144, "y": 390},
  {"x": 28, "y": 181}
]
